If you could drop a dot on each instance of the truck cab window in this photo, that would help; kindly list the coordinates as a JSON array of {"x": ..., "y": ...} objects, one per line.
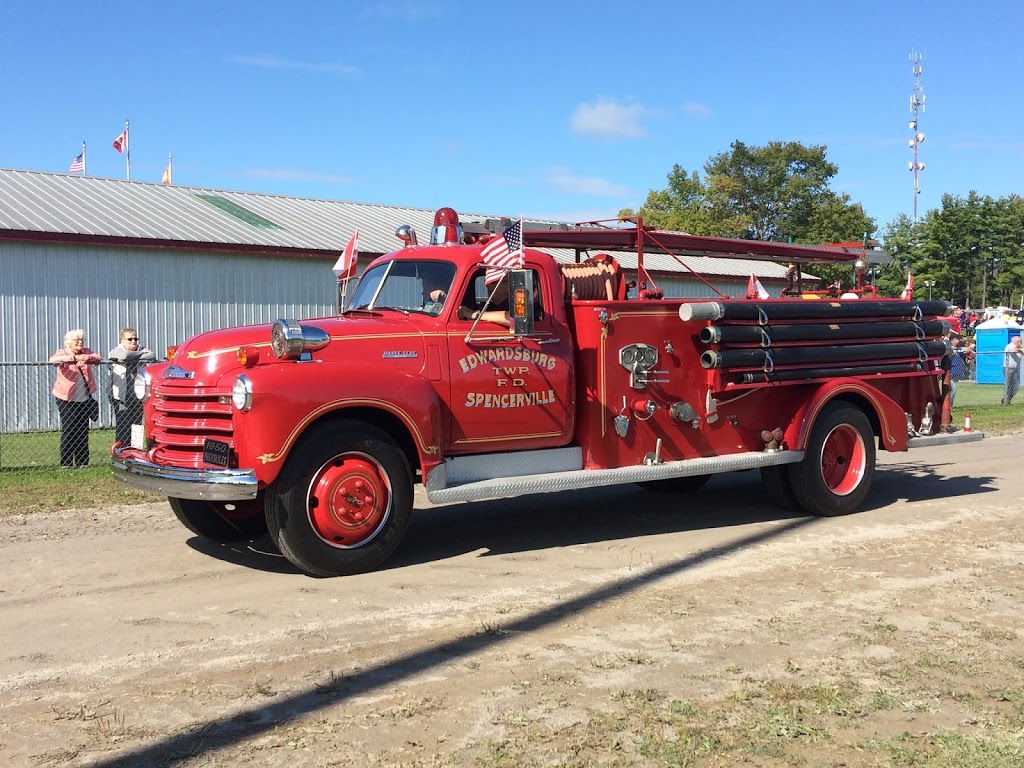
[{"x": 406, "y": 286}]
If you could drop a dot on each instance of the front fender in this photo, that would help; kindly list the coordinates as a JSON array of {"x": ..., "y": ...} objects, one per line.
[
  {"x": 888, "y": 414},
  {"x": 289, "y": 398}
]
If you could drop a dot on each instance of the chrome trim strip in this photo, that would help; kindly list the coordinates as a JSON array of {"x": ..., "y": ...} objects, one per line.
[{"x": 199, "y": 484}]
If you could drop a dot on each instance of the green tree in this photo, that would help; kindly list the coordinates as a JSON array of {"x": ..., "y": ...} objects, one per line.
[
  {"x": 682, "y": 207},
  {"x": 767, "y": 193}
]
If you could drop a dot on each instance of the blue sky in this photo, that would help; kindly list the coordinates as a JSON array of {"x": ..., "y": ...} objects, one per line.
[{"x": 568, "y": 110}]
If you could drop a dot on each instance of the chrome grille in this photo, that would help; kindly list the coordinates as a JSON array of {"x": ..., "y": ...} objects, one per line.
[{"x": 185, "y": 417}]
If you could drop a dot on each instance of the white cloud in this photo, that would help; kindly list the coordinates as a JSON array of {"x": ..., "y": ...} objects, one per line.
[
  {"x": 585, "y": 185},
  {"x": 273, "y": 62},
  {"x": 610, "y": 120},
  {"x": 695, "y": 109},
  {"x": 286, "y": 174}
]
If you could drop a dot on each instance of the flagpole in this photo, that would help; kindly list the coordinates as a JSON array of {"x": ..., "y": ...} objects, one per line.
[
  {"x": 85, "y": 171},
  {"x": 127, "y": 150}
]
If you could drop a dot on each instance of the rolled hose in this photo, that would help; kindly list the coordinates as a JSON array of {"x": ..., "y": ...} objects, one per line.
[{"x": 769, "y": 358}]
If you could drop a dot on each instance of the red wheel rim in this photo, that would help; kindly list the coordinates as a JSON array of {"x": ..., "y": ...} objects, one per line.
[
  {"x": 843, "y": 460},
  {"x": 349, "y": 500}
]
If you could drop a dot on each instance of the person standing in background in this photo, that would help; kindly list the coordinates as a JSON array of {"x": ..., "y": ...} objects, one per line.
[
  {"x": 127, "y": 358},
  {"x": 73, "y": 391},
  {"x": 1011, "y": 369}
]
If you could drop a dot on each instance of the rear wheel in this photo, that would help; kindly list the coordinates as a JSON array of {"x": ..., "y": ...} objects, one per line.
[
  {"x": 676, "y": 484},
  {"x": 223, "y": 521},
  {"x": 343, "y": 500},
  {"x": 835, "y": 475}
]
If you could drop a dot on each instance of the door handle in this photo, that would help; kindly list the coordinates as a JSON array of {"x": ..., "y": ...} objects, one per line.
[{"x": 548, "y": 341}]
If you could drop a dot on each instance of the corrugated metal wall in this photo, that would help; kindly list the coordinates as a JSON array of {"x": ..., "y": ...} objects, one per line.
[{"x": 168, "y": 295}]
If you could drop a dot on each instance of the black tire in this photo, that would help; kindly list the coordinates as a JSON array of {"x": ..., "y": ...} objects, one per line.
[
  {"x": 776, "y": 483},
  {"x": 676, "y": 484},
  {"x": 835, "y": 475},
  {"x": 222, "y": 521},
  {"x": 343, "y": 500}
]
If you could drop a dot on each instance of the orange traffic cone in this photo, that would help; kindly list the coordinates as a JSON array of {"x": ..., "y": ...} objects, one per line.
[{"x": 967, "y": 422}]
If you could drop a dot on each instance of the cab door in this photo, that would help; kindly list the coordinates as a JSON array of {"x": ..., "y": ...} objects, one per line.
[{"x": 508, "y": 392}]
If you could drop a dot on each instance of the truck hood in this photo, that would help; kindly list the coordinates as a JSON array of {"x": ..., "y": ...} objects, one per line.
[{"x": 206, "y": 359}]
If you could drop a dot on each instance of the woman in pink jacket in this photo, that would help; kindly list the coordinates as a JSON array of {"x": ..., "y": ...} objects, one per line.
[{"x": 73, "y": 389}]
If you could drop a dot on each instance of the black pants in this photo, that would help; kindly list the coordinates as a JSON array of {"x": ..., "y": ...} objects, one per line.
[
  {"x": 126, "y": 412},
  {"x": 74, "y": 433}
]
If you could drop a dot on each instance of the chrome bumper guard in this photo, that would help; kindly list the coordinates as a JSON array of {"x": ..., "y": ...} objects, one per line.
[{"x": 199, "y": 484}]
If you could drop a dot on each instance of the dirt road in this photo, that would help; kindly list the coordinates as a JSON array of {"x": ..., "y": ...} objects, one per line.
[{"x": 615, "y": 627}]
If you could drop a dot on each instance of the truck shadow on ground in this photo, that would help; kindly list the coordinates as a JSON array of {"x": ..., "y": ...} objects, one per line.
[
  {"x": 618, "y": 513},
  {"x": 207, "y": 738}
]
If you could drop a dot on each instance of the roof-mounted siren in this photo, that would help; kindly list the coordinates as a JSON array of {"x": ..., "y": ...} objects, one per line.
[{"x": 446, "y": 230}]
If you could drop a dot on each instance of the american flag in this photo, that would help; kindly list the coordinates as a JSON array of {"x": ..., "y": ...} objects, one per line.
[
  {"x": 78, "y": 164},
  {"x": 503, "y": 252}
]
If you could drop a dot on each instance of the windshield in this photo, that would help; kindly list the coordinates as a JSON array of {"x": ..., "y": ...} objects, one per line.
[{"x": 406, "y": 286}]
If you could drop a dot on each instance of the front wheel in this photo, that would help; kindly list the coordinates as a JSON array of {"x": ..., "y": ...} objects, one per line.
[
  {"x": 221, "y": 521},
  {"x": 343, "y": 500},
  {"x": 835, "y": 475}
]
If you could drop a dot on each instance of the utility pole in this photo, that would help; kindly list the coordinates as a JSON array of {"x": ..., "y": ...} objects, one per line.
[{"x": 916, "y": 108}]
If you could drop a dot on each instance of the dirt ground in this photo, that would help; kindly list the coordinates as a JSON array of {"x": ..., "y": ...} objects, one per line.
[{"x": 608, "y": 628}]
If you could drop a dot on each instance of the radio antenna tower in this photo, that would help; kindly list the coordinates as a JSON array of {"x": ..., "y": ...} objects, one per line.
[{"x": 916, "y": 108}]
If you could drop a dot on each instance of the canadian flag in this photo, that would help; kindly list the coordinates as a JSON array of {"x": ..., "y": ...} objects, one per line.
[
  {"x": 345, "y": 266},
  {"x": 908, "y": 289},
  {"x": 121, "y": 142},
  {"x": 755, "y": 290}
]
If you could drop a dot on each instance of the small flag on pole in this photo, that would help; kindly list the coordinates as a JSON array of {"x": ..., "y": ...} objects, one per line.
[
  {"x": 755, "y": 290},
  {"x": 345, "y": 266},
  {"x": 908, "y": 290},
  {"x": 121, "y": 142},
  {"x": 166, "y": 179},
  {"x": 503, "y": 252},
  {"x": 78, "y": 164}
]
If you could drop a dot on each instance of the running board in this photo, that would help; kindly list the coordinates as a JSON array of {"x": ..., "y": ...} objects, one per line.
[
  {"x": 944, "y": 438},
  {"x": 595, "y": 478}
]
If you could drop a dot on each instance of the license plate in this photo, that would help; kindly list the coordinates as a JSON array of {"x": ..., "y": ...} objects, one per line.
[
  {"x": 216, "y": 452},
  {"x": 138, "y": 437}
]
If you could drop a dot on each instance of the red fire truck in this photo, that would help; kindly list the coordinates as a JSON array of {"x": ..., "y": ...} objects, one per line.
[{"x": 317, "y": 431}]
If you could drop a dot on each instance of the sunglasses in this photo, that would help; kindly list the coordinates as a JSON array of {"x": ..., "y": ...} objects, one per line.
[{"x": 131, "y": 338}]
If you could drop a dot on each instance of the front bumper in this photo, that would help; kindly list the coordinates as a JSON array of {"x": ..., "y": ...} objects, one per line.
[{"x": 199, "y": 484}]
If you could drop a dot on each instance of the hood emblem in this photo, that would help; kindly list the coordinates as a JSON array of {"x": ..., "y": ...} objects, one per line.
[
  {"x": 399, "y": 353},
  {"x": 174, "y": 372}
]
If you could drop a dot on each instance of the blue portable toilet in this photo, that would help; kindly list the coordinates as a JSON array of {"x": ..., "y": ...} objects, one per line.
[{"x": 991, "y": 337}]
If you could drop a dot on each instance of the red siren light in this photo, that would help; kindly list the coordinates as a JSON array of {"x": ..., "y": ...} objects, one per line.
[{"x": 446, "y": 230}]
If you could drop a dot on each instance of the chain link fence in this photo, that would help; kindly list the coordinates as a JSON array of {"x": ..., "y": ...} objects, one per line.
[{"x": 38, "y": 434}]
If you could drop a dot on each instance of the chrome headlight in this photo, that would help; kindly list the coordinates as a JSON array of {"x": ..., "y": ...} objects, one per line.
[
  {"x": 143, "y": 386},
  {"x": 241, "y": 393},
  {"x": 289, "y": 339}
]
